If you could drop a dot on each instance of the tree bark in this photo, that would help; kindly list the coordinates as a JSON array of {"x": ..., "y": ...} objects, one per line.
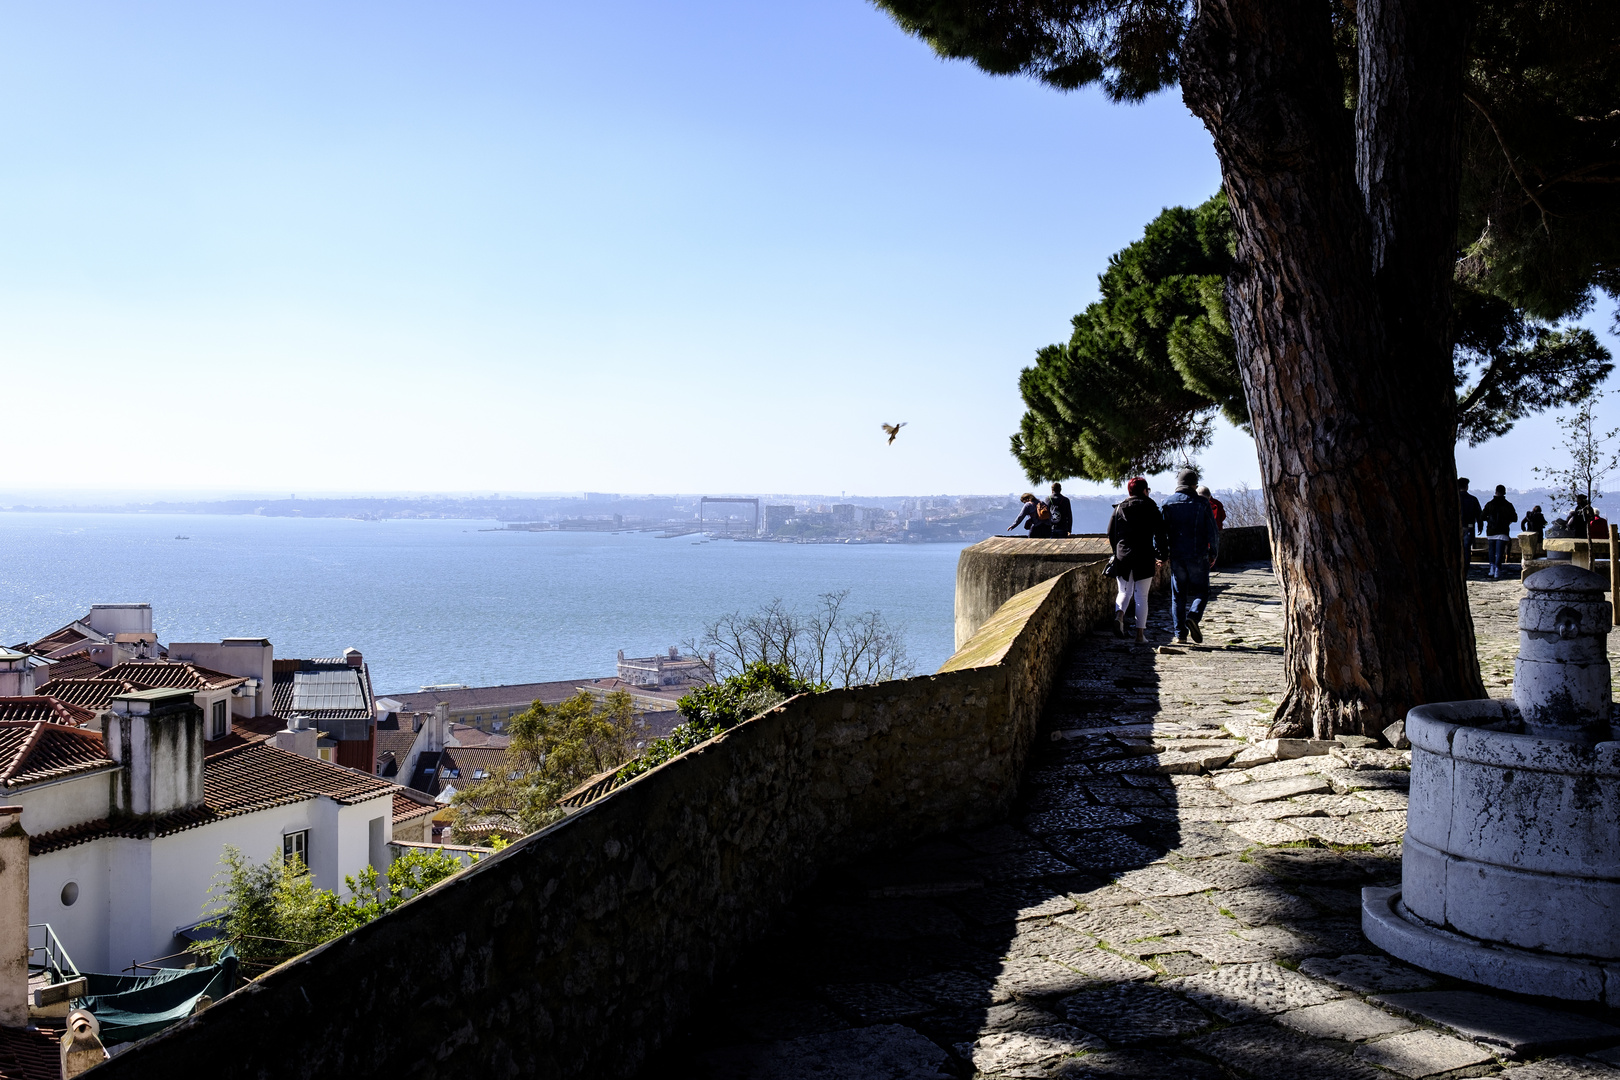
[{"x": 1340, "y": 306}]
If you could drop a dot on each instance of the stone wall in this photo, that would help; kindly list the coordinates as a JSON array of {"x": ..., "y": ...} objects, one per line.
[
  {"x": 1252, "y": 543},
  {"x": 992, "y": 571},
  {"x": 575, "y": 951}
]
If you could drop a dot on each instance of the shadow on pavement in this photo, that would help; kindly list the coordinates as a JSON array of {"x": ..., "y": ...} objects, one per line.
[{"x": 1081, "y": 924}]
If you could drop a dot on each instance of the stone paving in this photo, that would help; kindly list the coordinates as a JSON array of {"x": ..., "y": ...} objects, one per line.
[{"x": 1172, "y": 897}]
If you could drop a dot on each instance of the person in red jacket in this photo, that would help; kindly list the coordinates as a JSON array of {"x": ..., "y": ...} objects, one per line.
[{"x": 1219, "y": 511}]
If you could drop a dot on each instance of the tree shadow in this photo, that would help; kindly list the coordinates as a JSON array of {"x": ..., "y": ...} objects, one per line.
[{"x": 1006, "y": 950}]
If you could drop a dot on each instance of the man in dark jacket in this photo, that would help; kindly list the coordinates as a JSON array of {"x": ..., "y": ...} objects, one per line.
[
  {"x": 1062, "y": 513},
  {"x": 1499, "y": 516},
  {"x": 1473, "y": 520},
  {"x": 1194, "y": 542}
]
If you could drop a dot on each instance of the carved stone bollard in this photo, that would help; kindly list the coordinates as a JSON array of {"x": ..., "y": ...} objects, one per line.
[
  {"x": 1561, "y": 677},
  {"x": 1510, "y": 869}
]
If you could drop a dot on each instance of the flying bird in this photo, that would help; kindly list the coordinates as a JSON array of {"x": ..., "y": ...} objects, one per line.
[{"x": 893, "y": 430}]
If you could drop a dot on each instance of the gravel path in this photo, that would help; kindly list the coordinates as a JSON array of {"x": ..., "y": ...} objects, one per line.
[{"x": 1168, "y": 900}]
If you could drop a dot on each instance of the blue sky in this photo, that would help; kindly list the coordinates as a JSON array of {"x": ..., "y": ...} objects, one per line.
[{"x": 627, "y": 246}]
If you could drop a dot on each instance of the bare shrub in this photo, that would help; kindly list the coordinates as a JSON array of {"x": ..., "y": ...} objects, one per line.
[
  {"x": 1244, "y": 506},
  {"x": 827, "y": 646}
]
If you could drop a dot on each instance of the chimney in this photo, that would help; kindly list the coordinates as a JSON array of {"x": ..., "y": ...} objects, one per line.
[
  {"x": 16, "y": 675},
  {"x": 13, "y": 919},
  {"x": 352, "y": 657},
  {"x": 441, "y": 726},
  {"x": 673, "y": 655},
  {"x": 157, "y": 736},
  {"x": 299, "y": 737}
]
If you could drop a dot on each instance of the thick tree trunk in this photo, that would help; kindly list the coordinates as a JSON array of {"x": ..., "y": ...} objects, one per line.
[{"x": 1340, "y": 306}]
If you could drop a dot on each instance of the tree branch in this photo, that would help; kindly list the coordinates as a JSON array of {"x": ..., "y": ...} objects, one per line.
[{"x": 1512, "y": 164}]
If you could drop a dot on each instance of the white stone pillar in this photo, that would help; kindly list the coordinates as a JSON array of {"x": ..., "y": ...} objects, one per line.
[{"x": 13, "y": 919}]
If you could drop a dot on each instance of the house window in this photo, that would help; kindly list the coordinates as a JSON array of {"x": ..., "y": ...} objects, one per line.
[
  {"x": 453, "y": 774},
  {"x": 295, "y": 845},
  {"x": 480, "y": 774},
  {"x": 222, "y": 721}
]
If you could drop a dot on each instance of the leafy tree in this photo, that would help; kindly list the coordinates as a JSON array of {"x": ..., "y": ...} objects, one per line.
[
  {"x": 272, "y": 911},
  {"x": 1362, "y": 146},
  {"x": 554, "y": 748},
  {"x": 720, "y": 706},
  {"x": 1151, "y": 361}
]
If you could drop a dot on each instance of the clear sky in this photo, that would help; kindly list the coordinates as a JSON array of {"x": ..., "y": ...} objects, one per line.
[{"x": 626, "y": 245}]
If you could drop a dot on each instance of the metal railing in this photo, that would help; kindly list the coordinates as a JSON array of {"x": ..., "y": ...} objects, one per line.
[{"x": 48, "y": 954}]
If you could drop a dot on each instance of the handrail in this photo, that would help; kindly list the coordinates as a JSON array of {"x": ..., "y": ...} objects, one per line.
[{"x": 56, "y": 957}]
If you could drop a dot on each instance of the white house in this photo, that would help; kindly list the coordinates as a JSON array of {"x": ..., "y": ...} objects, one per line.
[{"x": 127, "y": 825}]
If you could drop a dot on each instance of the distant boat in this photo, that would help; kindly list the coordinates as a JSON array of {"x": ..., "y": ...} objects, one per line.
[{"x": 182, "y": 538}]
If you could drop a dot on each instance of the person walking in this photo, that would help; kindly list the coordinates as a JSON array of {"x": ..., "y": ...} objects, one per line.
[
  {"x": 1215, "y": 507},
  {"x": 1499, "y": 516},
  {"x": 1035, "y": 516},
  {"x": 1136, "y": 533},
  {"x": 1194, "y": 543},
  {"x": 1471, "y": 522},
  {"x": 1062, "y": 513}
]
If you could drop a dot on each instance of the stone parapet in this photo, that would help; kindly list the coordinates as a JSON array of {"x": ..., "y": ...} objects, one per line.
[
  {"x": 577, "y": 950},
  {"x": 993, "y": 570}
]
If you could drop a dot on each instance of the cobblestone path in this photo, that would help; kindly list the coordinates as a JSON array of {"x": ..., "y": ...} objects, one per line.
[{"x": 1167, "y": 901}]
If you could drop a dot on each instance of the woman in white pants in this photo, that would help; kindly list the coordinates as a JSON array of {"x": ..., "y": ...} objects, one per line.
[{"x": 1137, "y": 534}]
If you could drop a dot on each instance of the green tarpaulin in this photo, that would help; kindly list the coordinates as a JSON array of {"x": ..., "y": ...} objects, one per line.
[{"x": 132, "y": 1007}]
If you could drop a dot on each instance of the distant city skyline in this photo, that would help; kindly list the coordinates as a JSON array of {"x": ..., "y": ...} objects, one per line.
[{"x": 405, "y": 247}]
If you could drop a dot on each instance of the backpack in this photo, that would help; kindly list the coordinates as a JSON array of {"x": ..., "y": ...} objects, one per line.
[{"x": 1043, "y": 511}]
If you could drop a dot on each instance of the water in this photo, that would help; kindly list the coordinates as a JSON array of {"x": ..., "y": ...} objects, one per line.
[{"x": 442, "y": 601}]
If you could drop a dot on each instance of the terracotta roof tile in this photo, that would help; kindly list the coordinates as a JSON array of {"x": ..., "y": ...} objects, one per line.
[
  {"x": 237, "y": 781},
  {"x": 44, "y": 707},
  {"x": 172, "y": 674},
  {"x": 406, "y": 808},
  {"x": 31, "y": 752},
  {"x": 30, "y": 1053},
  {"x": 89, "y": 693},
  {"x": 76, "y": 665},
  {"x": 517, "y": 696},
  {"x": 462, "y": 764},
  {"x": 60, "y": 639}
]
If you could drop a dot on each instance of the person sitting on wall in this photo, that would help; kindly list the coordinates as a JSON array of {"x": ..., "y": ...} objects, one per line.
[
  {"x": 1062, "y": 513},
  {"x": 1035, "y": 516}
]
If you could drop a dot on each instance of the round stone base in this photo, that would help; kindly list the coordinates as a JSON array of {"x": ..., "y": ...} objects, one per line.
[{"x": 1389, "y": 925}]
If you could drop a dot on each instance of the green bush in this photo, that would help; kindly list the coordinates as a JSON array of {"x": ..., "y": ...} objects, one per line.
[
  {"x": 711, "y": 709},
  {"x": 272, "y": 911}
]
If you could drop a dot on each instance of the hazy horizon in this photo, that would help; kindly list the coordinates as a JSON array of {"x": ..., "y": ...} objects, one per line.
[{"x": 407, "y": 247}]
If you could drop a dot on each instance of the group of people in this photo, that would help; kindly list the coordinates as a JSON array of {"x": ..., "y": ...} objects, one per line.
[
  {"x": 1497, "y": 516},
  {"x": 1049, "y": 520},
  {"x": 1185, "y": 532}
]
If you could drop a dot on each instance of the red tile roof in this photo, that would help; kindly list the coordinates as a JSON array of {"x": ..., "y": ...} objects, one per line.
[
  {"x": 172, "y": 674},
  {"x": 76, "y": 665},
  {"x": 413, "y": 805},
  {"x": 30, "y": 1054},
  {"x": 89, "y": 693},
  {"x": 61, "y": 638},
  {"x": 44, "y": 707},
  {"x": 240, "y": 780},
  {"x": 31, "y": 752},
  {"x": 467, "y": 761},
  {"x": 517, "y": 696}
]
